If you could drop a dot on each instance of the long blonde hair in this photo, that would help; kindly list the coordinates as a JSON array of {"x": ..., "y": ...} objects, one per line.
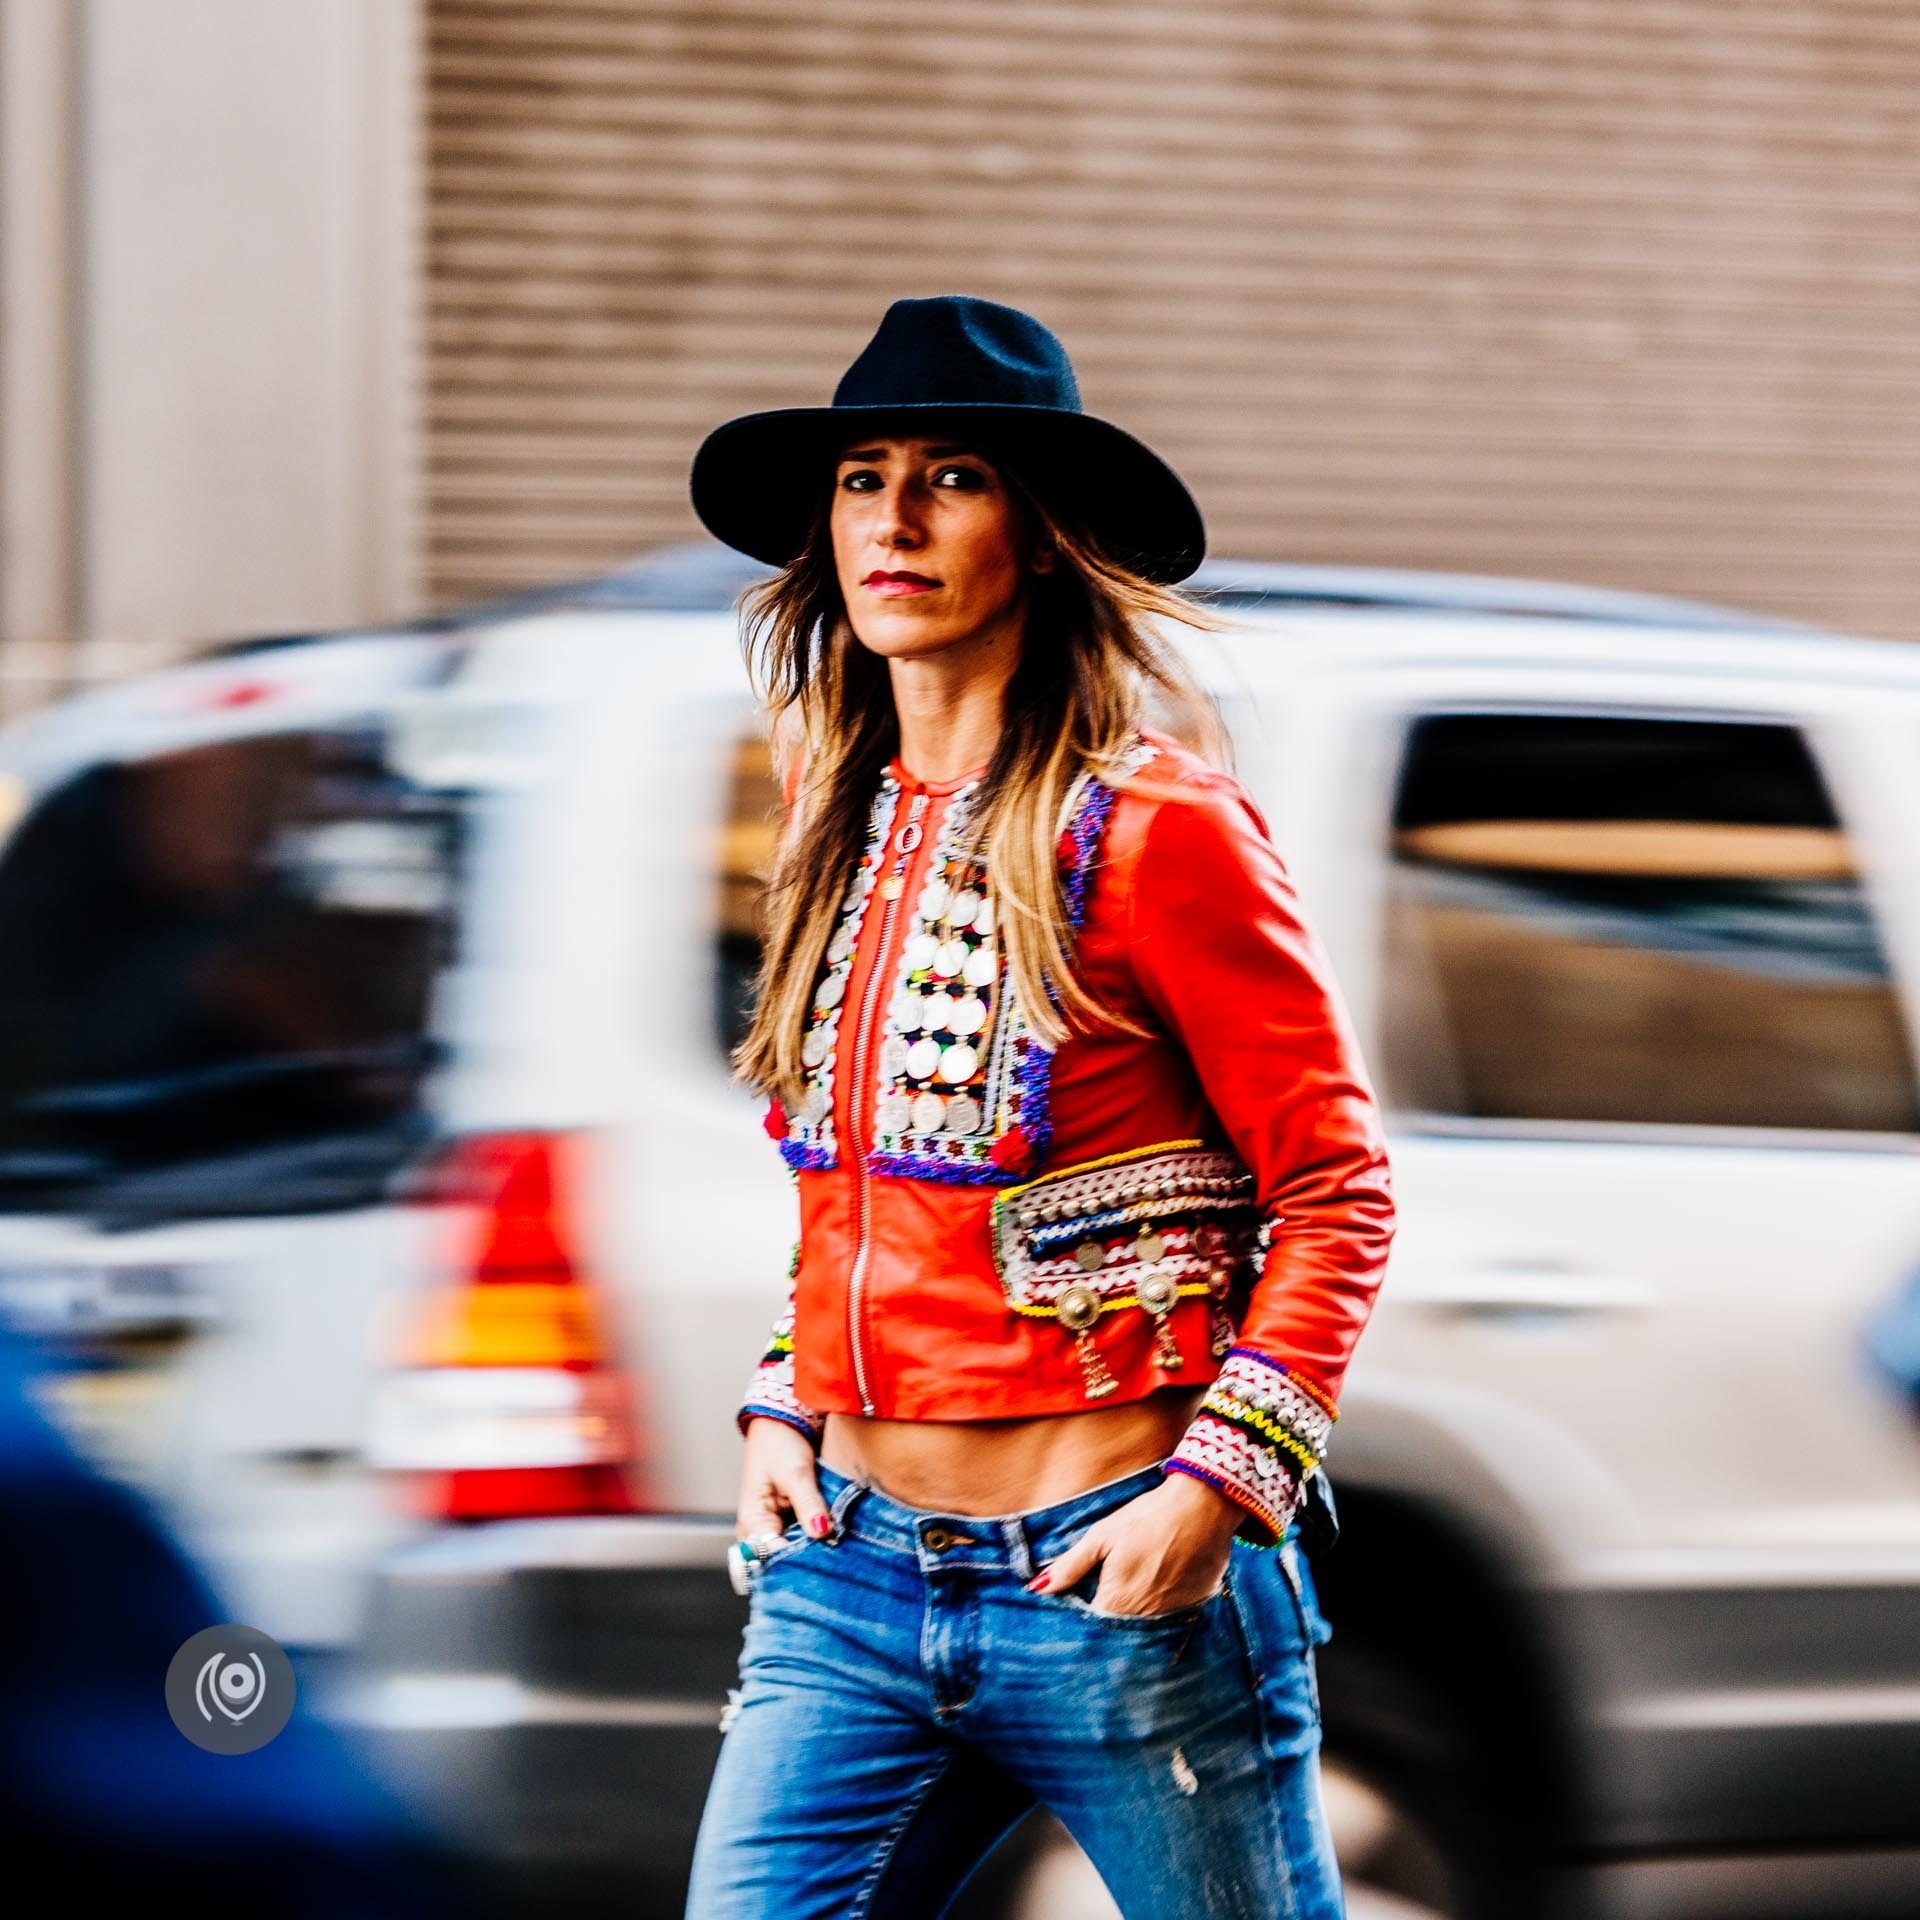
[{"x": 1089, "y": 662}]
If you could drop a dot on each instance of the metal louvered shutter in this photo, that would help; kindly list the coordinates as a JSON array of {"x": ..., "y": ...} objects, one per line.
[{"x": 1624, "y": 295}]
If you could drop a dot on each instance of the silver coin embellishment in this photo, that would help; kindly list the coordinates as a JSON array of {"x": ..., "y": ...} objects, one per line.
[
  {"x": 813, "y": 1049},
  {"x": 1089, "y": 1256},
  {"x": 920, "y": 951},
  {"x": 983, "y": 915},
  {"x": 893, "y": 1112},
  {"x": 813, "y": 1106},
  {"x": 933, "y": 900},
  {"x": 833, "y": 989},
  {"x": 906, "y": 1012},
  {"x": 957, "y": 1064},
  {"x": 893, "y": 1057},
  {"x": 840, "y": 945},
  {"x": 965, "y": 906},
  {"x": 928, "y": 1111},
  {"x": 922, "y": 1058},
  {"x": 968, "y": 1015},
  {"x": 978, "y": 971},
  {"x": 963, "y": 1114},
  {"x": 950, "y": 958}
]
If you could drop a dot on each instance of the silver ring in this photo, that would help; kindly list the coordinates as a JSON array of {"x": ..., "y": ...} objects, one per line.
[{"x": 740, "y": 1559}]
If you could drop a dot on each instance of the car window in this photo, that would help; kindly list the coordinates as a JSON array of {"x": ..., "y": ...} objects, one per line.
[
  {"x": 1634, "y": 919},
  {"x": 215, "y": 977},
  {"x": 745, "y": 859}
]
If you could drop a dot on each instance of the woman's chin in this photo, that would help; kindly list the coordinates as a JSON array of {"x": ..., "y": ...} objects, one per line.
[{"x": 897, "y": 638}]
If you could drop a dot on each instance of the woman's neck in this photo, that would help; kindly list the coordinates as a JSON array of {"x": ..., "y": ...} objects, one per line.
[{"x": 950, "y": 726}]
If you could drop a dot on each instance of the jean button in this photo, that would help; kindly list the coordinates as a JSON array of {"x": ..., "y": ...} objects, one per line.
[{"x": 938, "y": 1539}]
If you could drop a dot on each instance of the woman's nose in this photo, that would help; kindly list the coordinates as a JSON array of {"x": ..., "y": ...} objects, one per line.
[{"x": 899, "y": 519}]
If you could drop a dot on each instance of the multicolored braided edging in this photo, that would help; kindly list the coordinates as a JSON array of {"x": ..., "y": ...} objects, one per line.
[
  {"x": 1260, "y": 1431},
  {"x": 771, "y": 1391}
]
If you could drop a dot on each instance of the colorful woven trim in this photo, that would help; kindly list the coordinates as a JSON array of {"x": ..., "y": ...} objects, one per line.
[
  {"x": 1104, "y": 1225},
  {"x": 770, "y": 1391},
  {"x": 1260, "y": 1431}
]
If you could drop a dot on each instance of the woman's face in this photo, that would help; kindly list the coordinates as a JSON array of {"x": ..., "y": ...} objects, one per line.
[{"x": 929, "y": 545}]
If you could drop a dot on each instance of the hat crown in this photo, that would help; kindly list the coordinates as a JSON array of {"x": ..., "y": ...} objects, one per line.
[{"x": 955, "y": 350}]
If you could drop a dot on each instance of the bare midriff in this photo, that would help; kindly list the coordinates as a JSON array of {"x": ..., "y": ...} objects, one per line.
[{"x": 987, "y": 1467}]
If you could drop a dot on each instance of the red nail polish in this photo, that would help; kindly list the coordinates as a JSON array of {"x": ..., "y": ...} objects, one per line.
[
  {"x": 819, "y": 1524},
  {"x": 1039, "y": 1584}
]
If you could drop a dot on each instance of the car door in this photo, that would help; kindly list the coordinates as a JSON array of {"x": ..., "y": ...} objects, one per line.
[{"x": 1649, "y": 1069}]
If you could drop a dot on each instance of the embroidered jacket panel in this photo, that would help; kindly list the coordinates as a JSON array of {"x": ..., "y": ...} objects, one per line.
[{"x": 1208, "y": 1204}]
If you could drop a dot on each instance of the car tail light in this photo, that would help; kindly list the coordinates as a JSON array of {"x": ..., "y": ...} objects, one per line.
[{"x": 510, "y": 1403}]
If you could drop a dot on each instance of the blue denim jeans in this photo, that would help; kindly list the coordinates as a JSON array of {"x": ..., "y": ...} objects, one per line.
[{"x": 904, "y": 1700}]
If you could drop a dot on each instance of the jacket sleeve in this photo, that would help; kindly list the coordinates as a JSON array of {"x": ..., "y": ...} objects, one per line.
[
  {"x": 1226, "y": 960},
  {"x": 770, "y": 1389}
]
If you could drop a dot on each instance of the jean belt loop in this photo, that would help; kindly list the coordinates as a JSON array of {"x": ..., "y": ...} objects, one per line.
[
  {"x": 1014, "y": 1528},
  {"x": 842, "y": 1505}
]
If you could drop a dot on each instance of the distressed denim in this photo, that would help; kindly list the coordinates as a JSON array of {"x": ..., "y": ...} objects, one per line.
[{"x": 903, "y": 1701}]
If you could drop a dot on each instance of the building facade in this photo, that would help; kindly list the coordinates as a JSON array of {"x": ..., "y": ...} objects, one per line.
[{"x": 319, "y": 314}]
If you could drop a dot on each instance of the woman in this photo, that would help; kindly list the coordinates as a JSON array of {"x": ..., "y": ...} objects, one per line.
[{"x": 1092, "y": 1192}]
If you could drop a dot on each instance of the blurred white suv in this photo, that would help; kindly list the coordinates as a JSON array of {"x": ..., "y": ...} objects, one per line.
[{"x": 367, "y": 1140}]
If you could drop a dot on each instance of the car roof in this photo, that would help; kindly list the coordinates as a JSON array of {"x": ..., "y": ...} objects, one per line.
[
  {"x": 1374, "y": 613},
  {"x": 701, "y": 576},
  {"x": 1275, "y": 614}
]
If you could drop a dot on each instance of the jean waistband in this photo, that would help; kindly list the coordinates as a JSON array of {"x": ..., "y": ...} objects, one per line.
[{"x": 1017, "y": 1541}]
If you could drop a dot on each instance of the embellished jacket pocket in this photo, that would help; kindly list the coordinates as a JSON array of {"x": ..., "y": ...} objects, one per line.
[{"x": 1133, "y": 1232}]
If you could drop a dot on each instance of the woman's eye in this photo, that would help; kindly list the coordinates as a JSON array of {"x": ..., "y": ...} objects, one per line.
[
  {"x": 861, "y": 480},
  {"x": 966, "y": 476}
]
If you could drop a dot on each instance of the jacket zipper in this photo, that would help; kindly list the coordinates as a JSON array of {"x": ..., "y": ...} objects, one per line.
[{"x": 905, "y": 839}]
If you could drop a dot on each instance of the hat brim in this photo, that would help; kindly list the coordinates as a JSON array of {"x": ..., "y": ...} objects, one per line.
[{"x": 757, "y": 480}]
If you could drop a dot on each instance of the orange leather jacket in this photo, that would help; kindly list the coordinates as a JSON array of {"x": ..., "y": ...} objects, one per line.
[{"x": 989, "y": 1227}]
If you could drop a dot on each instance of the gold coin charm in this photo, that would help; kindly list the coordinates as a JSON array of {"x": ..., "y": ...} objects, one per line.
[
  {"x": 1078, "y": 1307},
  {"x": 1157, "y": 1292},
  {"x": 1099, "y": 1380},
  {"x": 1222, "y": 1327},
  {"x": 1160, "y": 1294},
  {"x": 1089, "y": 1256},
  {"x": 1150, "y": 1246}
]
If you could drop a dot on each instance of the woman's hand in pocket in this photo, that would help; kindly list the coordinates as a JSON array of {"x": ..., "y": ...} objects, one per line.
[
  {"x": 777, "y": 1479},
  {"x": 1164, "y": 1549}
]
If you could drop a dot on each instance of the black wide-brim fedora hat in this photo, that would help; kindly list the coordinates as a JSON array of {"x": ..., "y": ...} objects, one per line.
[{"x": 987, "y": 374}]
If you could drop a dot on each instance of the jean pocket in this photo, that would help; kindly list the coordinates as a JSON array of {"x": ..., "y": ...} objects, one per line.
[
  {"x": 1314, "y": 1625},
  {"x": 1079, "y": 1599},
  {"x": 771, "y": 1553},
  {"x": 1309, "y": 1626}
]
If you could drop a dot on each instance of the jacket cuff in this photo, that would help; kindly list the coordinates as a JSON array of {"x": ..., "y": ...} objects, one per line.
[
  {"x": 770, "y": 1394},
  {"x": 1260, "y": 1431}
]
